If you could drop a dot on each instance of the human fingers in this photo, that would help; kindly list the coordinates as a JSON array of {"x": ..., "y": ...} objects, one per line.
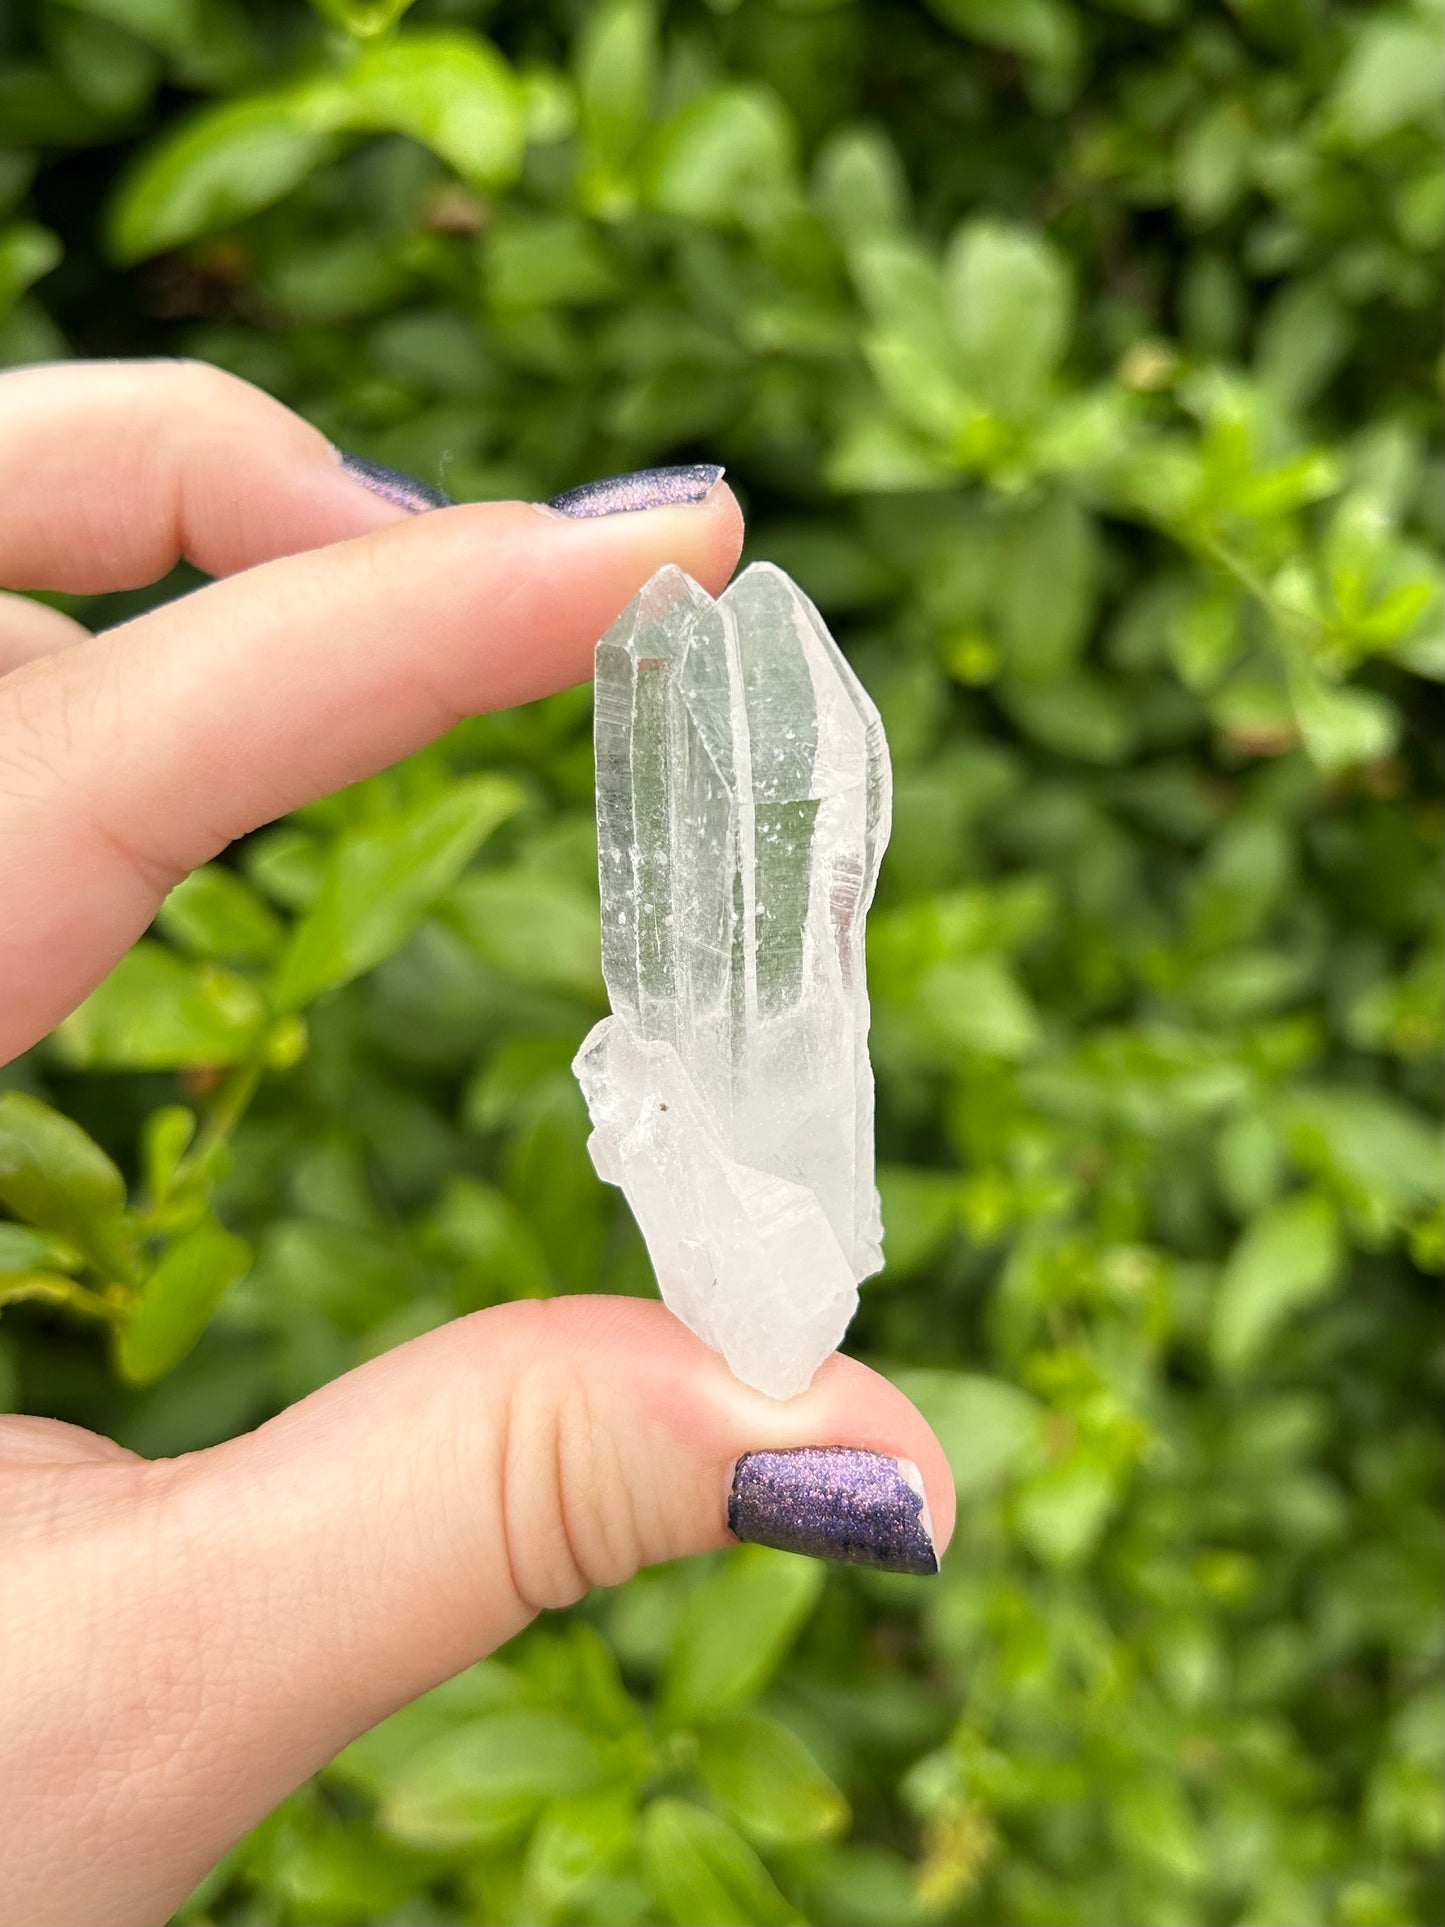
[
  {"x": 111, "y": 471},
  {"x": 265, "y": 1601},
  {"x": 134, "y": 756},
  {"x": 30, "y": 629}
]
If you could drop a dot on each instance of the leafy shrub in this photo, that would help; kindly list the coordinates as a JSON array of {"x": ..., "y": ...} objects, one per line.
[{"x": 1082, "y": 361}]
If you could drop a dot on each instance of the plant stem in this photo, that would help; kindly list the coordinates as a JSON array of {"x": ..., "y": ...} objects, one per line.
[
  {"x": 233, "y": 1100},
  {"x": 1305, "y": 627},
  {"x": 53, "y": 1288}
]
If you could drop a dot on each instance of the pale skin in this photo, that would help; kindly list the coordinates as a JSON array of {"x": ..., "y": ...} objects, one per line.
[{"x": 187, "y": 1640}]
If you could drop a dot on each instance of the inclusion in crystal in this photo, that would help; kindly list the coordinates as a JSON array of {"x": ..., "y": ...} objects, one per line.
[{"x": 743, "y": 800}]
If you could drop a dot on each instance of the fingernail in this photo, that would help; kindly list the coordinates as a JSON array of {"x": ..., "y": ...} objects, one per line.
[
  {"x": 645, "y": 488},
  {"x": 402, "y": 491},
  {"x": 860, "y": 1508}
]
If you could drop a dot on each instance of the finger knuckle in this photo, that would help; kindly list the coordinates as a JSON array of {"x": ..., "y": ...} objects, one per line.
[
  {"x": 567, "y": 1499},
  {"x": 207, "y": 386}
]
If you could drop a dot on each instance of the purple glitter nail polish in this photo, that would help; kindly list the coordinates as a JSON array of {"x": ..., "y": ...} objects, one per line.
[
  {"x": 402, "y": 491},
  {"x": 834, "y": 1502},
  {"x": 645, "y": 488}
]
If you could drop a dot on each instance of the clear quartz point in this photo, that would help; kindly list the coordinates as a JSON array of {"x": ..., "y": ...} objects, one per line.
[{"x": 743, "y": 803}]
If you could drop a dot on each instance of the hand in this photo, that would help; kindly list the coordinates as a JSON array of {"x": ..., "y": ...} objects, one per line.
[{"x": 186, "y": 1641}]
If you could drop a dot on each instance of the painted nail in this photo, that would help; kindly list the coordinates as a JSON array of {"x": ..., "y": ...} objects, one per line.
[
  {"x": 645, "y": 488},
  {"x": 861, "y": 1508},
  {"x": 402, "y": 491}
]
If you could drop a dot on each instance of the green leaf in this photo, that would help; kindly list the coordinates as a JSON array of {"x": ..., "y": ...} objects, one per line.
[
  {"x": 174, "y": 27},
  {"x": 976, "y": 1003},
  {"x": 1047, "y": 588},
  {"x": 1153, "y": 1822},
  {"x": 1342, "y": 727},
  {"x": 451, "y": 91},
  {"x": 212, "y": 170},
  {"x": 987, "y": 1428},
  {"x": 27, "y": 252},
  {"x": 1288, "y": 1257},
  {"x": 1062, "y": 1509},
  {"x": 535, "y": 929},
  {"x": 372, "y": 1762},
  {"x": 877, "y": 454},
  {"x": 927, "y": 396},
  {"x": 1078, "y": 714},
  {"x": 53, "y": 1175},
  {"x": 24, "y": 1250},
  {"x": 288, "y": 864},
  {"x": 53, "y": 1288},
  {"x": 578, "y": 1670},
  {"x": 552, "y": 261},
  {"x": 1390, "y": 79},
  {"x": 107, "y": 66},
  {"x": 920, "y": 1208},
  {"x": 729, "y": 157},
  {"x": 178, "y": 1301},
  {"x": 521, "y": 1077},
  {"x": 1205, "y": 635},
  {"x": 1250, "y": 1163},
  {"x": 1212, "y": 165},
  {"x": 17, "y": 172},
  {"x": 1372, "y": 1144},
  {"x": 901, "y": 286},
  {"x": 488, "y": 1780},
  {"x": 477, "y": 1225},
  {"x": 703, "y": 1874},
  {"x": 158, "y": 1011},
  {"x": 381, "y": 879},
  {"x": 1243, "y": 881},
  {"x": 735, "y": 1630},
  {"x": 364, "y": 18},
  {"x": 37, "y": 109},
  {"x": 549, "y": 104},
  {"x": 166, "y": 1138},
  {"x": 1041, "y": 30},
  {"x": 616, "y": 63},
  {"x": 215, "y": 912},
  {"x": 768, "y": 1783},
  {"x": 841, "y": 573},
  {"x": 860, "y": 184},
  {"x": 1304, "y": 336},
  {"x": 579, "y": 1839},
  {"x": 1011, "y": 301}
]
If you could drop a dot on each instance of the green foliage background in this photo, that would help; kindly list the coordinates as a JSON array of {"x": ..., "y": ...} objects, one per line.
[{"x": 1082, "y": 360}]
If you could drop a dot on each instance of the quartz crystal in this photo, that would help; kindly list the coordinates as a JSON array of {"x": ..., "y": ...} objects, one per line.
[{"x": 743, "y": 799}]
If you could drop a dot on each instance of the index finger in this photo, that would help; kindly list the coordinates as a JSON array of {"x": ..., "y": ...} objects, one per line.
[
  {"x": 110, "y": 472},
  {"x": 136, "y": 755}
]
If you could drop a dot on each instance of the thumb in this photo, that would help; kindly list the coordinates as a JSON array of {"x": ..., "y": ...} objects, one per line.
[{"x": 408, "y": 1518}]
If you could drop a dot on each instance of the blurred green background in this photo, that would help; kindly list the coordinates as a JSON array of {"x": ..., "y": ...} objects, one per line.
[{"x": 1081, "y": 358}]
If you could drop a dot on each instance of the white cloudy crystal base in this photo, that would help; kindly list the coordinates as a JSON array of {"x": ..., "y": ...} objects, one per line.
[
  {"x": 743, "y": 799},
  {"x": 746, "y": 1259}
]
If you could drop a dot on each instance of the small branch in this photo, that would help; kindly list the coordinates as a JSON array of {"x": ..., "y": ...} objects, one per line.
[
  {"x": 53, "y": 1288},
  {"x": 232, "y": 1102},
  {"x": 1254, "y": 584}
]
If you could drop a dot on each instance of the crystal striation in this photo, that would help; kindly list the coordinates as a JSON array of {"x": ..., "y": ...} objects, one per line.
[{"x": 743, "y": 802}]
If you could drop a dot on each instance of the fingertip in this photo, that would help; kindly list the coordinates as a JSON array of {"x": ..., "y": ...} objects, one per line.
[
  {"x": 868, "y": 1410},
  {"x": 703, "y": 538},
  {"x": 727, "y": 530},
  {"x": 402, "y": 493},
  {"x": 849, "y": 1414},
  {"x": 30, "y": 629}
]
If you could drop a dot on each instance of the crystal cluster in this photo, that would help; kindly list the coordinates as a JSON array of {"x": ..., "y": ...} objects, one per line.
[{"x": 743, "y": 797}]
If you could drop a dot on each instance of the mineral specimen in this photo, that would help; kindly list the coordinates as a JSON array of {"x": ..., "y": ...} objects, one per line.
[{"x": 743, "y": 798}]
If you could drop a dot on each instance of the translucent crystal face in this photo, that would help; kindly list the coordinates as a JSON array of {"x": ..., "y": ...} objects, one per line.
[{"x": 743, "y": 796}]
